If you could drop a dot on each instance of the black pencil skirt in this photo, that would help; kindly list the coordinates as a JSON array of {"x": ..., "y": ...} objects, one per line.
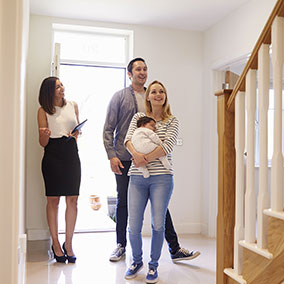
[{"x": 61, "y": 167}]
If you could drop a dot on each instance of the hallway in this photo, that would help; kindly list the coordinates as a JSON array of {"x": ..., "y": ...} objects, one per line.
[{"x": 92, "y": 266}]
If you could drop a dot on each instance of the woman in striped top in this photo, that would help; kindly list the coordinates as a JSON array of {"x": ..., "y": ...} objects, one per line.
[{"x": 158, "y": 187}]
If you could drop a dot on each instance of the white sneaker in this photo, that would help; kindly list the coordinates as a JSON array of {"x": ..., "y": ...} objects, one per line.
[{"x": 118, "y": 253}]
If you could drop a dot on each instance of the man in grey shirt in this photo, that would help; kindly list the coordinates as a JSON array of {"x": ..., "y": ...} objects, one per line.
[{"x": 123, "y": 105}]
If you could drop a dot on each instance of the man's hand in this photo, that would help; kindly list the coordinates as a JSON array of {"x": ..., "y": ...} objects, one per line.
[{"x": 115, "y": 165}]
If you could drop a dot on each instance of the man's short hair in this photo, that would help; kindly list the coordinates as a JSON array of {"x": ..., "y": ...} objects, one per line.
[
  {"x": 144, "y": 120},
  {"x": 130, "y": 64}
]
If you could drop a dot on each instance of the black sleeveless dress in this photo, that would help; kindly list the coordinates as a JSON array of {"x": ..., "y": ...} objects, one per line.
[{"x": 61, "y": 167}]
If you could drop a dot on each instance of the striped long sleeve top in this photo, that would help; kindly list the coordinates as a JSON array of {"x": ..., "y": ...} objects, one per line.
[{"x": 167, "y": 132}]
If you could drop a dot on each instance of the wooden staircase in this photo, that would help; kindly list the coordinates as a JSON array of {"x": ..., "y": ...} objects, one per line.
[
  {"x": 246, "y": 254},
  {"x": 258, "y": 269}
]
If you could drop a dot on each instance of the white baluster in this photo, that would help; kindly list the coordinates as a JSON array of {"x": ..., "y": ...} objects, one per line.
[
  {"x": 250, "y": 196},
  {"x": 277, "y": 157},
  {"x": 240, "y": 179},
  {"x": 263, "y": 95}
]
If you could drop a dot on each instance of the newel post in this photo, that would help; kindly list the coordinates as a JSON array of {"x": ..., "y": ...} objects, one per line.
[{"x": 226, "y": 186}]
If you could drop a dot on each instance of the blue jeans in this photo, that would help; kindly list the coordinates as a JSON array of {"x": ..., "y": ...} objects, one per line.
[{"x": 158, "y": 190}]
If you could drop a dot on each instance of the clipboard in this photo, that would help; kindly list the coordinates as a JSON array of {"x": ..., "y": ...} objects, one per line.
[{"x": 78, "y": 126}]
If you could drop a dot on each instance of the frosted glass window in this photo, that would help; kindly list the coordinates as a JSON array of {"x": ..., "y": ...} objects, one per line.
[
  {"x": 92, "y": 47},
  {"x": 92, "y": 87}
]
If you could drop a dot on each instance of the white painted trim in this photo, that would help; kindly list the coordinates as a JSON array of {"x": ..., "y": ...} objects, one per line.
[
  {"x": 56, "y": 60},
  {"x": 204, "y": 230},
  {"x": 275, "y": 214},
  {"x": 13, "y": 52},
  {"x": 216, "y": 80},
  {"x": 128, "y": 34},
  {"x": 231, "y": 273},
  {"x": 253, "y": 247},
  {"x": 37, "y": 235},
  {"x": 83, "y": 28}
]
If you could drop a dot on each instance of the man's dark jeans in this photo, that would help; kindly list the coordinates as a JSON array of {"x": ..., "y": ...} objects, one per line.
[{"x": 122, "y": 182}]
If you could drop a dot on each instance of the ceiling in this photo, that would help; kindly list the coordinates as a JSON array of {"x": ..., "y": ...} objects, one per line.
[{"x": 197, "y": 15}]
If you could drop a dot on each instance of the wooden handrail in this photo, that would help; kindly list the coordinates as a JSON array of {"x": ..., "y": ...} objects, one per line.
[
  {"x": 265, "y": 37},
  {"x": 223, "y": 92}
]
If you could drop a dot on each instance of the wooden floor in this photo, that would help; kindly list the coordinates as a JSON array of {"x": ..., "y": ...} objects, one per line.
[{"x": 92, "y": 266}]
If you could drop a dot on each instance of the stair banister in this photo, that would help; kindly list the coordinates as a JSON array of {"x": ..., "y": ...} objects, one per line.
[
  {"x": 263, "y": 102},
  {"x": 277, "y": 157},
  {"x": 250, "y": 195},
  {"x": 263, "y": 261},
  {"x": 240, "y": 179}
]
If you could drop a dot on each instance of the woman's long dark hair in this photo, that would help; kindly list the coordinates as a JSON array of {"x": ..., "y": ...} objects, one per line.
[{"x": 46, "y": 94}]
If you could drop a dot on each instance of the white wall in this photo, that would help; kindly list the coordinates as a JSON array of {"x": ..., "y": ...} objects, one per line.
[
  {"x": 13, "y": 51},
  {"x": 173, "y": 57},
  {"x": 230, "y": 39}
]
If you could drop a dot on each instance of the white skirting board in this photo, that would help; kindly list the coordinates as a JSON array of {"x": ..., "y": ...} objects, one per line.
[
  {"x": 38, "y": 234},
  {"x": 22, "y": 252}
]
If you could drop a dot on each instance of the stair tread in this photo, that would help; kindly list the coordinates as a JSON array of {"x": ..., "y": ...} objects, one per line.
[
  {"x": 253, "y": 247},
  {"x": 231, "y": 272}
]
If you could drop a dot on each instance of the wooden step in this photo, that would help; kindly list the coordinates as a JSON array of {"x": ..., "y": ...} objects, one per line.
[
  {"x": 260, "y": 270},
  {"x": 234, "y": 278},
  {"x": 275, "y": 235}
]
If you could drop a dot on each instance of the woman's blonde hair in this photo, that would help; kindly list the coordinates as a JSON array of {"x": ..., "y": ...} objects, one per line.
[{"x": 166, "y": 113}]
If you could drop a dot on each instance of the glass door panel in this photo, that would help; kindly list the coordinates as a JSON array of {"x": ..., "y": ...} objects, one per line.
[{"x": 92, "y": 87}]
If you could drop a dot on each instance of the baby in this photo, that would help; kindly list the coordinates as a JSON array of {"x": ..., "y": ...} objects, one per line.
[{"x": 145, "y": 140}]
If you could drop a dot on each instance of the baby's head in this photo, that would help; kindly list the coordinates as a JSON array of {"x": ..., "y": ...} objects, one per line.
[{"x": 146, "y": 121}]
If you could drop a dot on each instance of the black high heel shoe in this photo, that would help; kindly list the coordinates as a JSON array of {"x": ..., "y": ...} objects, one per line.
[
  {"x": 72, "y": 258},
  {"x": 61, "y": 258}
]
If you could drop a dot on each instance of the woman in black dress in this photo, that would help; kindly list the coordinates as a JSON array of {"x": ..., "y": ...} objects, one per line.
[{"x": 61, "y": 167}]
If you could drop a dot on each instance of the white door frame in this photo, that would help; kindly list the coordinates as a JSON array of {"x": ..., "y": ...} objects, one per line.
[{"x": 14, "y": 26}]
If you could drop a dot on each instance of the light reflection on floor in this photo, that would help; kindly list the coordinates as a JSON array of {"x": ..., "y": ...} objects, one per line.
[{"x": 93, "y": 266}]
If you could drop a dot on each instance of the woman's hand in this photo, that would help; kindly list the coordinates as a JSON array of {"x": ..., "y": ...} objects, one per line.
[
  {"x": 44, "y": 132},
  {"x": 75, "y": 134},
  {"x": 139, "y": 159}
]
